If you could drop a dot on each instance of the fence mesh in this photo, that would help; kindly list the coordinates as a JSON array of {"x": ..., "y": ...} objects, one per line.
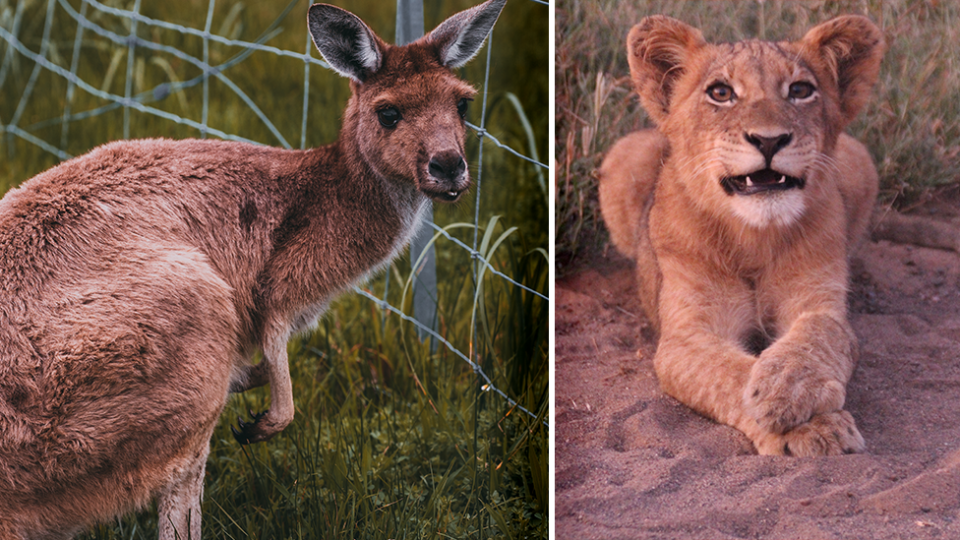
[{"x": 45, "y": 56}]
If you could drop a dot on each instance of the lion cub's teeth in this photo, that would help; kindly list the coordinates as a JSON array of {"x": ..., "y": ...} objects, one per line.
[
  {"x": 783, "y": 180},
  {"x": 749, "y": 182}
]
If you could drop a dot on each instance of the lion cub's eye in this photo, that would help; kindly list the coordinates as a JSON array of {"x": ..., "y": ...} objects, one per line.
[
  {"x": 800, "y": 90},
  {"x": 720, "y": 93}
]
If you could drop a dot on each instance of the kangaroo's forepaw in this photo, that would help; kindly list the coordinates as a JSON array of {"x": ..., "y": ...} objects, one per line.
[
  {"x": 251, "y": 432},
  {"x": 826, "y": 434}
]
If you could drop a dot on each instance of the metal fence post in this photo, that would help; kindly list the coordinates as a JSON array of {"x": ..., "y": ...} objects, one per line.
[{"x": 409, "y": 28}]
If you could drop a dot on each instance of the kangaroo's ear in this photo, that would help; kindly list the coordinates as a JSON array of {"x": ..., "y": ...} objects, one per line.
[
  {"x": 658, "y": 48},
  {"x": 460, "y": 37},
  {"x": 345, "y": 42},
  {"x": 848, "y": 49}
]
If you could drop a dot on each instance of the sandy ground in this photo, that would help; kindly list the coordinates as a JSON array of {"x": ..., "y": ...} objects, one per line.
[{"x": 634, "y": 463}]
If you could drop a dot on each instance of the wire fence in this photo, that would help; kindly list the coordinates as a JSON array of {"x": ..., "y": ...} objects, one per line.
[{"x": 11, "y": 33}]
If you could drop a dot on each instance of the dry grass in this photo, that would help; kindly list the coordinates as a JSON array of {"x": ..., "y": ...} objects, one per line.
[{"x": 911, "y": 127}]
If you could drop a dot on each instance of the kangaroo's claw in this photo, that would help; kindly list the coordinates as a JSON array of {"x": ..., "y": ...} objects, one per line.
[{"x": 248, "y": 430}]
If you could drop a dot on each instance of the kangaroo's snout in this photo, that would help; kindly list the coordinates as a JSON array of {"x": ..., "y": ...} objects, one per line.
[
  {"x": 447, "y": 166},
  {"x": 446, "y": 178}
]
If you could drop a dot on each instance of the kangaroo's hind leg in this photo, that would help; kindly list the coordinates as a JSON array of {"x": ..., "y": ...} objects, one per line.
[
  {"x": 202, "y": 317},
  {"x": 134, "y": 366},
  {"x": 179, "y": 502}
]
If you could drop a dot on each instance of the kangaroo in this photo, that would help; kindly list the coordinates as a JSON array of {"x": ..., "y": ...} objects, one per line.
[{"x": 137, "y": 281}]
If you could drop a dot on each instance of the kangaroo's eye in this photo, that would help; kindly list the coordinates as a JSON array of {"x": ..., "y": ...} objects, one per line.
[
  {"x": 800, "y": 90},
  {"x": 720, "y": 93},
  {"x": 462, "y": 107},
  {"x": 389, "y": 117}
]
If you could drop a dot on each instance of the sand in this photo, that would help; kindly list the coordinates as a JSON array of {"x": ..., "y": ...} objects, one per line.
[{"x": 634, "y": 463}]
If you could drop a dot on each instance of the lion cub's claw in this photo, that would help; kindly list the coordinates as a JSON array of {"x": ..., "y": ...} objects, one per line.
[{"x": 828, "y": 434}]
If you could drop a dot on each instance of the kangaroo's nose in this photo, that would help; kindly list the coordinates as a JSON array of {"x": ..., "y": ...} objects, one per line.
[
  {"x": 447, "y": 166},
  {"x": 769, "y": 146}
]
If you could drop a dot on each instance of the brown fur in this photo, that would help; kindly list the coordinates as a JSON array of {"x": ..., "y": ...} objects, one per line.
[
  {"x": 138, "y": 280},
  {"x": 748, "y": 292}
]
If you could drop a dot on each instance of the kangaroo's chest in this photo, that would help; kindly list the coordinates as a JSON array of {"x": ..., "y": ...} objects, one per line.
[{"x": 411, "y": 220}]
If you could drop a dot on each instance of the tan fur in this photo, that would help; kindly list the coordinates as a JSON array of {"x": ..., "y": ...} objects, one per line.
[
  {"x": 138, "y": 280},
  {"x": 748, "y": 292}
]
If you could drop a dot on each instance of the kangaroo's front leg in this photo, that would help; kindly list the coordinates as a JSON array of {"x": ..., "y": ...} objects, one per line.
[
  {"x": 253, "y": 376},
  {"x": 268, "y": 423}
]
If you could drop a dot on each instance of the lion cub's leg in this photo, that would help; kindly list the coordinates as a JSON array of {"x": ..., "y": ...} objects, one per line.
[
  {"x": 803, "y": 373},
  {"x": 795, "y": 388},
  {"x": 628, "y": 176},
  {"x": 700, "y": 360}
]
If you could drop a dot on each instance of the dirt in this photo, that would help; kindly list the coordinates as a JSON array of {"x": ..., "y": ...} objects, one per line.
[{"x": 634, "y": 463}]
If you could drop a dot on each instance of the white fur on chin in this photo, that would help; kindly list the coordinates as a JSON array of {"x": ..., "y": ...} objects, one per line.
[{"x": 782, "y": 208}]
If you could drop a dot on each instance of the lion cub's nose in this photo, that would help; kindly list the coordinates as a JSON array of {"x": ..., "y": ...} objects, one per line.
[{"x": 769, "y": 146}]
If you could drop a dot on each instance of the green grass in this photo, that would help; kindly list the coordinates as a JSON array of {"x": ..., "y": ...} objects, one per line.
[
  {"x": 390, "y": 439},
  {"x": 911, "y": 127}
]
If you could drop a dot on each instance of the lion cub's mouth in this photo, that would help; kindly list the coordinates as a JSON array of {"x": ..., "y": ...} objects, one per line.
[{"x": 760, "y": 181}]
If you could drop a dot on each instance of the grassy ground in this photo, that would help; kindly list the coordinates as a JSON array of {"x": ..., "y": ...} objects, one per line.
[
  {"x": 390, "y": 440},
  {"x": 911, "y": 127}
]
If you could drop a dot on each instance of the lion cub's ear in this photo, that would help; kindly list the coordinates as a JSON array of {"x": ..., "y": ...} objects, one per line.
[
  {"x": 849, "y": 50},
  {"x": 657, "y": 49}
]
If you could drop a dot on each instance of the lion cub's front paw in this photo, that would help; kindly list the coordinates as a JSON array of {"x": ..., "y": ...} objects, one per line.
[
  {"x": 782, "y": 395},
  {"x": 826, "y": 434}
]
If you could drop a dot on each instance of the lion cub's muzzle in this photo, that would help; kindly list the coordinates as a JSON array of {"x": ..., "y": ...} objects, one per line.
[
  {"x": 762, "y": 181},
  {"x": 766, "y": 179}
]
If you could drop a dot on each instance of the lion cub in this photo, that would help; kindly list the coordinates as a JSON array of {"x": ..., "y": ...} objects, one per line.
[{"x": 741, "y": 209}]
